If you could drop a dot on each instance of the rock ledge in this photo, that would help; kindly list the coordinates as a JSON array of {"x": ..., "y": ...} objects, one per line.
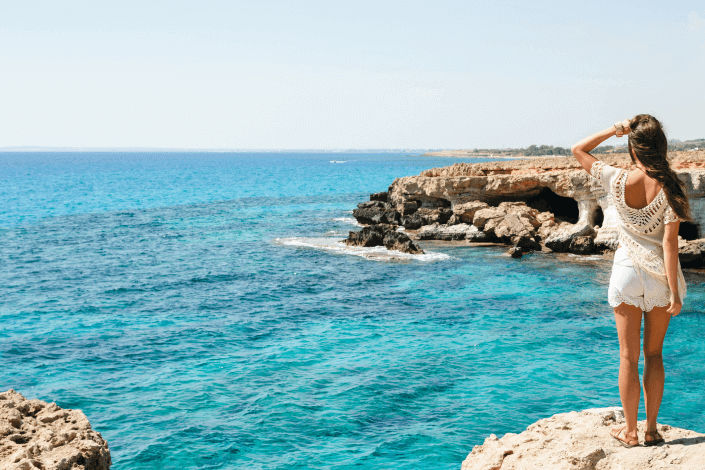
[
  {"x": 582, "y": 441},
  {"x": 39, "y": 435}
]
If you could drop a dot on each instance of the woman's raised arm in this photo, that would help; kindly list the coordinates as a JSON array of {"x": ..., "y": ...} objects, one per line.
[{"x": 581, "y": 149}]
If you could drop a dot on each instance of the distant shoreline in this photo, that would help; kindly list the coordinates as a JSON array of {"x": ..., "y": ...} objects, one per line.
[{"x": 468, "y": 154}]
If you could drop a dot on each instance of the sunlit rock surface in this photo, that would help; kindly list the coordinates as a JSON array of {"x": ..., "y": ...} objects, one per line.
[
  {"x": 39, "y": 435},
  {"x": 582, "y": 441}
]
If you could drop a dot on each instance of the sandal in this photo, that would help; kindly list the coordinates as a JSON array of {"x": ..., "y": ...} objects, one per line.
[
  {"x": 625, "y": 442},
  {"x": 657, "y": 438}
]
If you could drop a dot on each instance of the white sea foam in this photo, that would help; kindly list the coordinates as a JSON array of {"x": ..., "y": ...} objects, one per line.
[
  {"x": 348, "y": 220},
  {"x": 339, "y": 161},
  {"x": 586, "y": 258},
  {"x": 377, "y": 253}
]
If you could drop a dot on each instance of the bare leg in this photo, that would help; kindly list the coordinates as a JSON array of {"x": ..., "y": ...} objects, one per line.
[
  {"x": 655, "y": 326},
  {"x": 628, "y": 319}
]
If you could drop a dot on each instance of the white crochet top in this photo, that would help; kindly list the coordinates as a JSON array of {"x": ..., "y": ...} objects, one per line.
[{"x": 640, "y": 230}]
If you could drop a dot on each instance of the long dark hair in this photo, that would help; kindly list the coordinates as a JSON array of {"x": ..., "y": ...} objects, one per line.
[{"x": 647, "y": 142}]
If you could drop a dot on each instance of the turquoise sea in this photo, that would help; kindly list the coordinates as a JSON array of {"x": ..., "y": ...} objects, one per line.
[{"x": 197, "y": 308}]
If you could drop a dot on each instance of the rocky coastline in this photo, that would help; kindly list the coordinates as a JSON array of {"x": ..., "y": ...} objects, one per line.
[
  {"x": 546, "y": 204},
  {"x": 582, "y": 441},
  {"x": 42, "y": 436}
]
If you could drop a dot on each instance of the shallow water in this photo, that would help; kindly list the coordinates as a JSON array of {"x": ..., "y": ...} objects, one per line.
[{"x": 198, "y": 309}]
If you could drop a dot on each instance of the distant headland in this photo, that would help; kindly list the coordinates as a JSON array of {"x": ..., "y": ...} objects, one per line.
[{"x": 550, "y": 150}]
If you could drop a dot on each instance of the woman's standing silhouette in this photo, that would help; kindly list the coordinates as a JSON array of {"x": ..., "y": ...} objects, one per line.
[{"x": 646, "y": 276}]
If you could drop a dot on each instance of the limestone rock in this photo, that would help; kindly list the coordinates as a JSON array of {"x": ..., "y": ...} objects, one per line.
[
  {"x": 482, "y": 216},
  {"x": 548, "y": 228},
  {"x": 533, "y": 178},
  {"x": 444, "y": 232},
  {"x": 560, "y": 241},
  {"x": 546, "y": 217},
  {"x": 454, "y": 220},
  {"x": 39, "y": 435},
  {"x": 440, "y": 215},
  {"x": 510, "y": 226},
  {"x": 466, "y": 212},
  {"x": 582, "y": 441},
  {"x": 475, "y": 235}
]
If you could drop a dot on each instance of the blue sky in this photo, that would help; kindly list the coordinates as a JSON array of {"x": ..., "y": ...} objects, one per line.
[{"x": 329, "y": 74}]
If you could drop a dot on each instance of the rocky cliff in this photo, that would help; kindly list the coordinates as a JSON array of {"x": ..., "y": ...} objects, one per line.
[
  {"x": 555, "y": 184},
  {"x": 582, "y": 441},
  {"x": 39, "y": 435}
]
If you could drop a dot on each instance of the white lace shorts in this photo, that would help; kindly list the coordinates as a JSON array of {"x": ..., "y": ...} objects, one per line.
[{"x": 631, "y": 285}]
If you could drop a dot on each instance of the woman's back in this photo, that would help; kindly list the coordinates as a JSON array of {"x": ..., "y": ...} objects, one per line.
[{"x": 640, "y": 190}]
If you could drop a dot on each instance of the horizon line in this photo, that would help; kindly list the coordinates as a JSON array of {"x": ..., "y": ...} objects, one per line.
[{"x": 36, "y": 148}]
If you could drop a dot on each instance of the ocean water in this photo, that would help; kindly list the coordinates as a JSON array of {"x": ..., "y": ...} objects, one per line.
[{"x": 201, "y": 312}]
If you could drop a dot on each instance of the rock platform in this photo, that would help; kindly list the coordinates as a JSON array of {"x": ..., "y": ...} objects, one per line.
[{"x": 582, "y": 441}]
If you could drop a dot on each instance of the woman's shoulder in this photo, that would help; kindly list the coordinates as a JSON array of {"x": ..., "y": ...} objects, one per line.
[
  {"x": 605, "y": 174},
  {"x": 638, "y": 179}
]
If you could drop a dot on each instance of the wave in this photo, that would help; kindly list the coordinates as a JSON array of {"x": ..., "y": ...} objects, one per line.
[
  {"x": 377, "y": 253},
  {"x": 586, "y": 258},
  {"x": 339, "y": 161},
  {"x": 349, "y": 220}
]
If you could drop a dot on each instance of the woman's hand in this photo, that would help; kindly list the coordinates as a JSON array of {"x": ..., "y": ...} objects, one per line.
[
  {"x": 622, "y": 128},
  {"x": 675, "y": 307}
]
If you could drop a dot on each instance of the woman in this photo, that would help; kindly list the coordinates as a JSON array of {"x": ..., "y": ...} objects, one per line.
[{"x": 646, "y": 275}]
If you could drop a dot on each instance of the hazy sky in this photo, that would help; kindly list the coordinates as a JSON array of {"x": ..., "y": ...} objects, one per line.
[{"x": 333, "y": 74}]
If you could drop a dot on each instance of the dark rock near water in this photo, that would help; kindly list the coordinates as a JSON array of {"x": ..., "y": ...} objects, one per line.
[
  {"x": 582, "y": 245},
  {"x": 379, "y": 196},
  {"x": 425, "y": 216},
  {"x": 407, "y": 207},
  {"x": 413, "y": 221},
  {"x": 401, "y": 242},
  {"x": 515, "y": 252},
  {"x": 376, "y": 215},
  {"x": 383, "y": 235},
  {"x": 560, "y": 241},
  {"x": 693, "y": 254},
  {"x": 372, "y": 205},
  {"x": 440, "y": 216},
  {"x": 368, "y": 236},
  {"x": 526, "y": 243},
  {"x": 477, "y": 236}
]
